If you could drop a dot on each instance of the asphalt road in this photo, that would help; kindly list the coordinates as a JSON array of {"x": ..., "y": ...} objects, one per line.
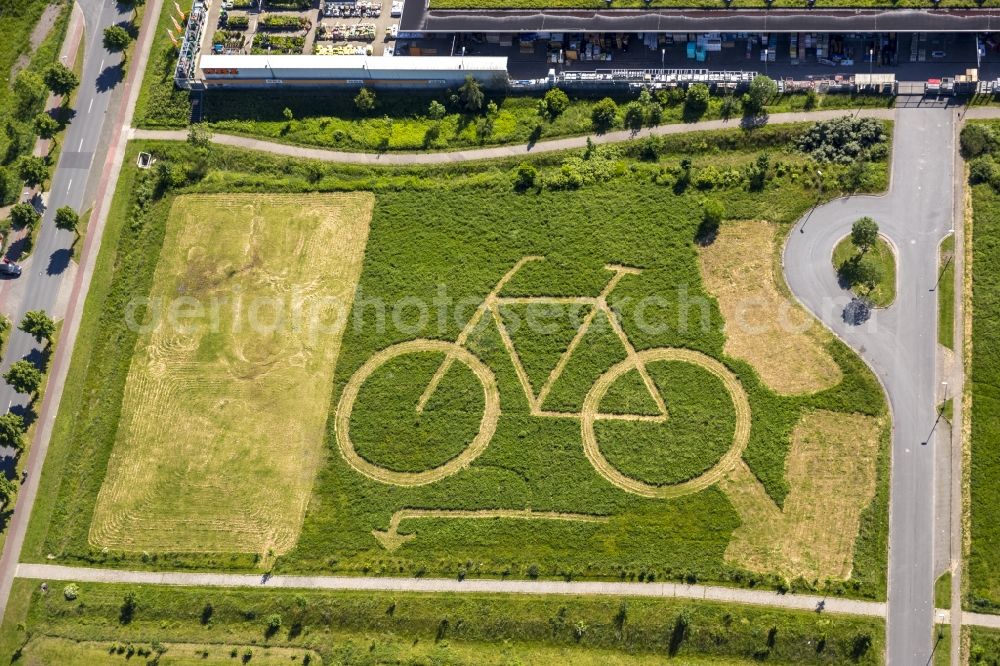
[
  {"x": 899, "y": 343},
  {"x": 47, "y": 272},
  {"x": 70, "y": 185}
]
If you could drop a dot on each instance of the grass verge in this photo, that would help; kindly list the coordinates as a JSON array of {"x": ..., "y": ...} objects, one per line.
[
  {"x": 367, "y": 627},
  {"x": 946, "y": 293}
]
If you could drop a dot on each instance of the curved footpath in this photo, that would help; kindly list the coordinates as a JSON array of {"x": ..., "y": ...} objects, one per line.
[
  {"x": 495, "y": 152},
  {"x": 899, "y": 343}
]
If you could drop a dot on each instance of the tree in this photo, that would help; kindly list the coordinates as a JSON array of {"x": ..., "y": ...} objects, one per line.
[
  {"x": 116, "y": 38},
  {"x": 471, "y": 95},
  {"x": 864, "y": 234},
  {"x": 7, "y": 489},
  {"x": 436, "y": 110},
  {"x": 365, "y": 100},
  {"x": 524, "y": 177},
  {"x": 38, "y": 325},
  {"x": 129, "y": 605},
  {"x": 553, "y": 104},
  {"x": 976, "y": 140},
  {"x": 604, "y": 114},
  {"x": 60, "y": 79},
  {"x": 981, "y": 169},
  {"x": 24, "y": 377},
  {"x": 634, "y": 116},
  {"x": 33, "y": 170},
  {"x": 762, "y": 89},
  {"x": 812, "y": 99},
  {"x": 12, "y": 431},
  {"x": 696, "y": 101},
  {"x": 24, "y": 215},
  {"x": 273, "y": 624},
  {"x": 867, "y": 272},
  {"x": 45, "y": 125}
]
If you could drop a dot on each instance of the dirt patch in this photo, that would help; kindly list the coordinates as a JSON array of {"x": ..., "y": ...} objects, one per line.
[
  {"x": 41, "y": 30},
  {"x": 784, "y": 344},
  {"x": 223, "y": 415},
  {"x": 831, "y": 469}
]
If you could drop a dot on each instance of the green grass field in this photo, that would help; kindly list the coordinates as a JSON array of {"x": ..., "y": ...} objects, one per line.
[
  {"x": 160, "y": 104},
  {"x": 884, "y": 293},
  {"x": 984, "y": 556},
  {"x": 459, "y": 229},
  {"x": 379, "y": 628}
]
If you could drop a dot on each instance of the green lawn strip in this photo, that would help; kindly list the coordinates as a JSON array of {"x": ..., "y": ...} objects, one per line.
[
  {"x": 12, "y": 631},
  {"x": 984, "y": 556},
  {"x": 532, "y": 461},
  {"x": 942, "y": 645},
  {"x": 884, "y": 292},
  {"x": 401, "y": 122},
  {"x": 946, "y": 293},
  {"x": 942, "y": 591},
  {"x": 338, "y": 625},
  {"x": 160, "y": 104}
]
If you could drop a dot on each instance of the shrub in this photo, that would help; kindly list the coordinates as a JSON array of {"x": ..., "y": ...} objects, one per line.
[
  {"x": 238, "y": 21},
  {"x": 436, "y": 110},
  {"x": 365, "y": 100},
  {"x": 524, "y": 176},
  {"x": 604, "y": 114},
  {"x": 71, "y": 591},
  {"x": 842, "y": 140},
  {"x": 976, "y": 139},
  {"x": 711, "y": 218},
  {"x": 696, "y": 101},
  {"x": 272, "y": 624},
  {"x": 553, "y": 104},
  {"x": 982, "y": 170},
  {"x": 812, "y": 99}
]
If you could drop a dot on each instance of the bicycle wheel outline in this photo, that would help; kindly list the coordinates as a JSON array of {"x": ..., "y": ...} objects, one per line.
[
  {"x": 487, "y": 424},
  {"x": 741, "y": 433}
]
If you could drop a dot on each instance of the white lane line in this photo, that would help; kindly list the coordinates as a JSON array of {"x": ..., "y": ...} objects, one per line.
[
  {"x": 101, "y": 68},
  {"x": 81, "y": 145},
  {"x": 69, "y": 185},
  {"x": 91, "y": 105}
]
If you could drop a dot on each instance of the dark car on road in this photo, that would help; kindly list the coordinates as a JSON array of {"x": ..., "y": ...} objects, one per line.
[{"x": 9, "y": 269}]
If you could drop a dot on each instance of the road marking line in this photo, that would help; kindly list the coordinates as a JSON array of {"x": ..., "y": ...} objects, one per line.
[
  {"x": 81, "y": 140},
  {"x": 102, "y": 65},
  {"x": 91, "y": 105},
  {"x": 69, "y": 185}
]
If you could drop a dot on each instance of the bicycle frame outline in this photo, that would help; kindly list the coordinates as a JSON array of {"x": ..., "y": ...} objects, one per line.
[{"x": 492, "y": 303}]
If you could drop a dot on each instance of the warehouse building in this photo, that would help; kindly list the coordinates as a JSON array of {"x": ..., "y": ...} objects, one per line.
[{"x": 401, "y": 72}]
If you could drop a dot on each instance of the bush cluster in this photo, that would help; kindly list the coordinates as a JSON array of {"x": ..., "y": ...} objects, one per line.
[{"x": 843, "y": 140}]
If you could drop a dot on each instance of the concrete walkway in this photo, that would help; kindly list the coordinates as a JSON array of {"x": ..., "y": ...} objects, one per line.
[
  {"x": 50, "y": 572},
  {"x": 496, "y": 152}
]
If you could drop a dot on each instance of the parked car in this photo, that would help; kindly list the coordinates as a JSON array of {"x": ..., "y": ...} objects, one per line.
[{"x": 9, "y": 268}]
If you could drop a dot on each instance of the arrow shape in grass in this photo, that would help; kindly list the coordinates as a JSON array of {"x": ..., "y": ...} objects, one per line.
[{"x": 391, "y": 539}]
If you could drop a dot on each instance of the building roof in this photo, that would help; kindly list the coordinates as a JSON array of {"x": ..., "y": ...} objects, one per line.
[
  {"x": 417, "y": 17},
  {"x": 351, "y": 63}
]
